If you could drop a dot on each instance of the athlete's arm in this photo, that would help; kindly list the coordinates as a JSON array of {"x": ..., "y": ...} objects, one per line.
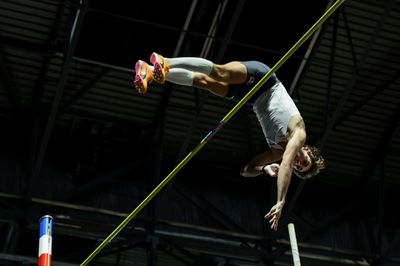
[
  {"x": 284, "y": 175},
  {"x": 255, "y": 166}
]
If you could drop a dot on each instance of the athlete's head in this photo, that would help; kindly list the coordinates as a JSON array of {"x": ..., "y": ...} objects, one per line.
[{"x": 308, "y": 162}]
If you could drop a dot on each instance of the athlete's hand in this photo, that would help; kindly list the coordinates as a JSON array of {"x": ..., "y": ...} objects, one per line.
[
  {"x": 274, "y": 214},
  {"x": 272, "y": 169}
]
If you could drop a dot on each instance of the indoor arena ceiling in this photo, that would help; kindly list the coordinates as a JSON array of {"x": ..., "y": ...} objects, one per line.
[{"x": 66, "y": 64}]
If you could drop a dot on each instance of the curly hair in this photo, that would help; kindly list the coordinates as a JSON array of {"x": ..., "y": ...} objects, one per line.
[{"x": 318, "y": 163}]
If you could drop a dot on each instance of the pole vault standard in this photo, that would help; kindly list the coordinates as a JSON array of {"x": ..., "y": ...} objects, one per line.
[
  {"x": 45, "y": 240},
  {"x": 213, "y": 132},
  {"x": 293, "y": 245}
]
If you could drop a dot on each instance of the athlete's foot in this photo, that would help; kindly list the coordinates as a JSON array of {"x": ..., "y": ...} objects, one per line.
[
  {"x": 143, "y": 76},
  {"x": 161, "y": 67}
]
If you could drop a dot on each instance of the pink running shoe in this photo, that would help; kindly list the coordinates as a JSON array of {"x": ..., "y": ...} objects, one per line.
[
  {"x": 161, "y": 67},
  {"x": 144, "y": 76}
]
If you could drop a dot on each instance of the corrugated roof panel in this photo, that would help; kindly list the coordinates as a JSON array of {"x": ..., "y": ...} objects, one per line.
[{"x": 27, "y": 20}]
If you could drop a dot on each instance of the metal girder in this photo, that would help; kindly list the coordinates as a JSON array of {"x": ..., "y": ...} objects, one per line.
[
  {"x": 7, "y": 85},
  {"x": 73, "y": 39},
  {"x": 153, "y": 250},
  {"x": 159, "y": 26},
  {"x": 331, "y": 65},
  {"x": 119, "y": 170},
  {"x": 210, "y": 210},
  {"x": 48, "y": 52},
  {"x": 185, "y": 28},
  {"x": 385, "y": 141},
  {"x": 158, "y": 131},
  {"x": 124, "y": 245},
  {"x": 228, "y": 35},
  {"x": 381, "y": 149},
  {"x": 184, "y": 251},
  {"x": 160, "y": 116},
  {"x": 310, "y": 54},
  {"x": 300, "y": 76},
  {"x": 219, "y": 58},
  {"x": 139, "y": 231},
  {"x": 348, "y": 34},
  {"x": 24, "y": 44},
  {"x": 12, "y": 235},
  {"x": 366, "y": 99},
  {"x": 368, "y": 172},
  {"x": 227, "y": 40},
  {"x": 85, "y": 189},
  {"x": 299, "y": 188},
  {"x": 25, "y": 260},
  {"x": 133, "y": 21},
  {"x": 200, "y": 97},
  {"x": 381, "y": 209},
  {"x": 366, "y": 177},
  {"x": 83, "y": 90},
  {"x": 351, "y": 83},
  {"x": 328, "y": 221}
]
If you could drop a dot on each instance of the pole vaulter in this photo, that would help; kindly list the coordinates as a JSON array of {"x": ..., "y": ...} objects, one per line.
[{"x": 203, "y": 142}]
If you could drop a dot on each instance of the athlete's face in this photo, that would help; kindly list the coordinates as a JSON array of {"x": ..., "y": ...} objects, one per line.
[{"x": 302, "y": 161}]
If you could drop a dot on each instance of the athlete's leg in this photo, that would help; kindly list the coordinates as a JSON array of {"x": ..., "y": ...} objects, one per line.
[
  {"x": 194, "y": 71},
  {"x": 195, "y": 64},
  {"x": 216, "y": 87},
  {"x": 196, "y": 79},
  {"x": 162, "y": 65},
  {"x": 231, "y": 73}
]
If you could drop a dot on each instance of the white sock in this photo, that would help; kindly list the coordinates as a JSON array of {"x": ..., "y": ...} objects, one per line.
[
  {"x": 196, "y": 64},
  {"x": 180, "y": 76}
]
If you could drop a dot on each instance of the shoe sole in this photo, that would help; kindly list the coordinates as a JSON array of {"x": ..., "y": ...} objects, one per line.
[
  {"x": 139, "y": 84},
  {"x": 158, "y": 71}
]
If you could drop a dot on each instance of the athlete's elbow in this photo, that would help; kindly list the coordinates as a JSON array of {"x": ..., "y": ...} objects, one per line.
[{"x": 246, "y": 171}]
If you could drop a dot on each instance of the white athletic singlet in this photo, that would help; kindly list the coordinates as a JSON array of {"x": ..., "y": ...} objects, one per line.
[{"x": 274, "y": 108}]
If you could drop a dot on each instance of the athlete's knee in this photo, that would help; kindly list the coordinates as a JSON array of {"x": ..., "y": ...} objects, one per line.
[{"x": 200, "y": 80}]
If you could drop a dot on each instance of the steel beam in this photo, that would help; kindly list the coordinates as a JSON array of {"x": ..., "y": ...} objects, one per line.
[{"x": 72, "y": 41}]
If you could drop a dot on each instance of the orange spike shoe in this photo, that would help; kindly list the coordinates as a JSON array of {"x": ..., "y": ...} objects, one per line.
[
  {"x": 143, "y": 77},
  {"x": 161, "y": 67}
]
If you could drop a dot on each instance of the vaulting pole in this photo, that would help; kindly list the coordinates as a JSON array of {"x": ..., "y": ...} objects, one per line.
[{"x": 213, "y": 132}]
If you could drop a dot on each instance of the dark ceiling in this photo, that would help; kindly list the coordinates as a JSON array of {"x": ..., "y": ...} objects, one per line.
[{"x": 79, "y": 143}]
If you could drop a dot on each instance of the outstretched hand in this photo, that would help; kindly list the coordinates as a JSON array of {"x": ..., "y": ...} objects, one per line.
[{"x": 274, "y": 214}]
